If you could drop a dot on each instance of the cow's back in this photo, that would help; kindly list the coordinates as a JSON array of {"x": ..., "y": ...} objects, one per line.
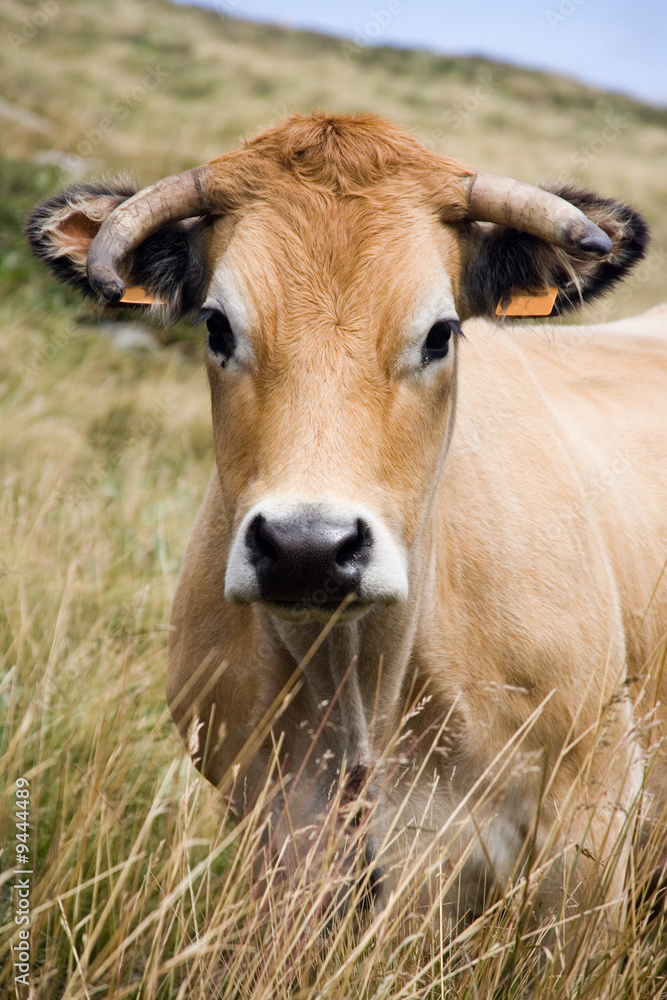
[
  {"x": 609, "y": 395},
  {"x": 556, "y": 486}
]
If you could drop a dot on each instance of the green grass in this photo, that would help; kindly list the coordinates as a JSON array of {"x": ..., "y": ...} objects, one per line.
[{"x": 141, "y": 882}]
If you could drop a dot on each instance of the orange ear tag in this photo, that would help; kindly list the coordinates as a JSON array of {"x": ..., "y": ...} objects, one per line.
[
  {"x": 522, "y": 303},
  {"x": 137, "y": 296}
]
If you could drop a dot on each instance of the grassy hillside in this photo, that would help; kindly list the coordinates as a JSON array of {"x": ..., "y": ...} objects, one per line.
[
  {"x": 153, "y": 87},
  {"x": 104, "y": 456}
]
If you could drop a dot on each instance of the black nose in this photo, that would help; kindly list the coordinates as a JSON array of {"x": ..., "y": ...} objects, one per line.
[{"x": 311, "y": 562}]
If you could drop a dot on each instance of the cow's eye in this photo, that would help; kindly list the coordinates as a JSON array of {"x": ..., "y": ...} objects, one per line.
[
  {"x": 221, "y": 339},
  {"x": 436, "y": 345}
]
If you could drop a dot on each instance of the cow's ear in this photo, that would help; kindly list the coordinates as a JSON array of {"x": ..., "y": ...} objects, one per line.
[
  {"x": 168, "y": 265},
  {"x": 501, "y": 260}
]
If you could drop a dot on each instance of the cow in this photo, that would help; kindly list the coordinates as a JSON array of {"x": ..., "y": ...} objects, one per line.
[{"x": 425, "y": 586}]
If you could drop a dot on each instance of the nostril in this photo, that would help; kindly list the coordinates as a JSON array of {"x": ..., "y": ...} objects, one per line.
[
  {"x": 259, "y": 542},
  {"x": 355, "y": 546}
]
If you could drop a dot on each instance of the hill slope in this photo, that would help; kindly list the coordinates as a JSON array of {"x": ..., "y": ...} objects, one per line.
[{"x": 155, "y": 87}]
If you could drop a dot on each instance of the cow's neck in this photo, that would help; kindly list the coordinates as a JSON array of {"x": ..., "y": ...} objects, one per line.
[
  {"x": 360, "y": 666},
  {"x": 332, "y": 672}
]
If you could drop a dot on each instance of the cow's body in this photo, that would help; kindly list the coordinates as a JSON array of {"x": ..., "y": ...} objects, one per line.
[
  {"x": 424, "y": 588},
  {"x": 537, "y": 582}
]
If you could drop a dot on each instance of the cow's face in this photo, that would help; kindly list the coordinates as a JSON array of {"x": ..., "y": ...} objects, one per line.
[
  {"x": 333, "y": 258},
  {"x": 332, "y": 337}
]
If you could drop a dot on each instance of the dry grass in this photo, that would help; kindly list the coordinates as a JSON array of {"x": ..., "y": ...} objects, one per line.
[{"x": 141, "y": 884}]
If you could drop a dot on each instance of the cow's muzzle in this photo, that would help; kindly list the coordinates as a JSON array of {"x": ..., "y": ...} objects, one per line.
[
  {"x": 302, "y": 559},
  {"x": 308, "y": 562}
]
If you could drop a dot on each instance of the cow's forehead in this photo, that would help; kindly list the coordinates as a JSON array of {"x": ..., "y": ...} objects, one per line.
[{"x": 356, "y": 262}]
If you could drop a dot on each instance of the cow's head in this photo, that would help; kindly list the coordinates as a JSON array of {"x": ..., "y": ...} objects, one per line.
[{"x": 333, "y": 260}]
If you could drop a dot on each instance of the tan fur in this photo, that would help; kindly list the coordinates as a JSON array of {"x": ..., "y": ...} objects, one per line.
[
  {"x": 535, "y": 552},
  {"x": 344, "y": 155}
]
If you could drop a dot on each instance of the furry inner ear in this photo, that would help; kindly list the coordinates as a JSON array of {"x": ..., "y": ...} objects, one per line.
[
  {"x": 169, "y": 264},
  {"x": 72, "y": 233},
  {"x": 61, "y": 229},
  {"x": 500, "y": 258}
]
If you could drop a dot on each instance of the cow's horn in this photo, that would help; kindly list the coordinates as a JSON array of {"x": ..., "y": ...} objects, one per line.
[
  {"x": 179, "y": 196},
  {"x": 508, "y": 202}
]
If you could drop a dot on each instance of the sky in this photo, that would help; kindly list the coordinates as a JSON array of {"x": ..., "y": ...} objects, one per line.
[{"x": 617, "y": 45}]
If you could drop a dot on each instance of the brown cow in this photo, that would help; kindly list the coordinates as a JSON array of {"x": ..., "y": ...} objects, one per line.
[{"x": 460, "y": 539}]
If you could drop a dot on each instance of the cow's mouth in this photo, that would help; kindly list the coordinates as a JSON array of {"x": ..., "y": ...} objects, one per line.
[{"x": 306, "y": 611}]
